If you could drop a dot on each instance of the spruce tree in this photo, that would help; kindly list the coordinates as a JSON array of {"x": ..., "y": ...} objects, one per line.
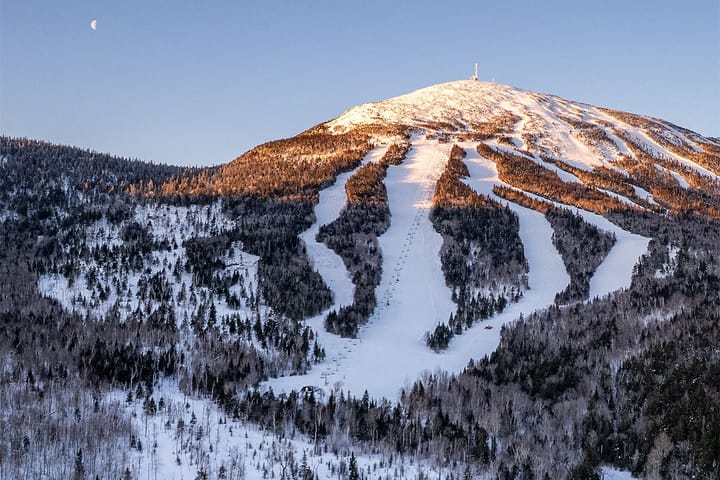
[{"x": 354, "y": 474}]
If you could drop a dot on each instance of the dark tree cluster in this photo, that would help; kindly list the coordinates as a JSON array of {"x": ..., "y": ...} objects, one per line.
[
  {"x": 582, "y": 247},
  {"x": 563, "y": 384},
  {"x": 607, "y": 179},
  {"x": 269, "y": 229},
  {"x": 420, "y": 424},
  {"x": 653, "y": 173},
  {"x": 481, "y": 250},
  {"x": 31, "y": 164},
  {"x": 293, "y": 168},
  {"x": 396, "y": 153},
  {"x": 45, "y": 229},
  {"x": 660, "y": 131},
  {"x": 503, "y": 124}
]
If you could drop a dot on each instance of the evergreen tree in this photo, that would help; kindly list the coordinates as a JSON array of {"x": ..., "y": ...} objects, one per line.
[
  {"x": 79, "y": 473},
  {"x": 353, "y": 472}
]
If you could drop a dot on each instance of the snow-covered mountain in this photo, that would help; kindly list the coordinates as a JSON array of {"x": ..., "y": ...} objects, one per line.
[
  {"x": 544, "y": 129},
  {"x": 580, "y": 134},
  {"x": 475, "y": 254}
]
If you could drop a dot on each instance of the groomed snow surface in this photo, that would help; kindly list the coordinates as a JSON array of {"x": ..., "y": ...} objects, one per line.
[{"x": 390, "y": 352}]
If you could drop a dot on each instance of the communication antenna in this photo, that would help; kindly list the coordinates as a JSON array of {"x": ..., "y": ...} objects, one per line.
[{"x": 475, "y": 77}]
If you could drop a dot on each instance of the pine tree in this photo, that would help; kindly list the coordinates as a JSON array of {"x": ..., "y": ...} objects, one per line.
[
  {"x": 79, "y": 466},
  {"x": 354, "y": 474},
  {"x": 305, "y": 471}
]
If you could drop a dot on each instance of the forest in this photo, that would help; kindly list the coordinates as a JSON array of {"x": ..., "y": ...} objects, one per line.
[{"x": 198, "y": 278}]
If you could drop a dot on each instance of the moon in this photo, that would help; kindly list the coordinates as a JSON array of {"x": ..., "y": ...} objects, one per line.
[{"x": 93, "y": 24}]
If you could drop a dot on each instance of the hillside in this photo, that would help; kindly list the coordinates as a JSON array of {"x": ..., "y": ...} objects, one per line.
[{"x": 468, "y": 281}]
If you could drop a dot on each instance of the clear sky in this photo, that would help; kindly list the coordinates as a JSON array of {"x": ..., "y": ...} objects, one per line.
[{"x": 198, "y": 83}]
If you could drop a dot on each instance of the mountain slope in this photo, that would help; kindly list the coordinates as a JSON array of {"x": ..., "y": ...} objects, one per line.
[{"x": 539, "y": 256}]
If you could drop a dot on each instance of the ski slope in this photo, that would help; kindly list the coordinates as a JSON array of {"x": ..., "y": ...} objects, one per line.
[
  {"x": 328, "y": 264},
  {"x": 615, "y": 271},
  {"x": 390, "y": 351}
]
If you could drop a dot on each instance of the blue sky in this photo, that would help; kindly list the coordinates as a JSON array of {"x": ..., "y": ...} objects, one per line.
[{"x": 198, "y": 83}]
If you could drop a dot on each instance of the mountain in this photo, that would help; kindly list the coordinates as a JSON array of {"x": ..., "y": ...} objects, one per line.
[{"x": 471, "y": 280}]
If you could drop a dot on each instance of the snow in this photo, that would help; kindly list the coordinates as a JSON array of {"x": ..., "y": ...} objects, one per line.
[
  {"x": 612, "y": 473},
  {"x": 644, "y": 194},
  {"x": 461, "y": 104},
  {"x": 164, "y": 222},
  {"x": 658, "y": 151},
  {"x": 413, "y": 297},
  {"x": 243, "y": 449},
  {"x": 683, "y": 183},
  {"x": 668, "y": 269},
  {"x": 622, "y": 198},
  {"x": 680, "y": 180},
  {"x": 439, "y": 103},
  {"x": 390, "y": 352},
  {"x": 615, "y": 272}
]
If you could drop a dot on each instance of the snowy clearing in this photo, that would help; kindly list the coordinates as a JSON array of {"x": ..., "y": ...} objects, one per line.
[{"x": 188, "y": 435}]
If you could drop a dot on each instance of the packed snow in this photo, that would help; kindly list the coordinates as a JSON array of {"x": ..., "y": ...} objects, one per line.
[{"x": 413, "y": 297}]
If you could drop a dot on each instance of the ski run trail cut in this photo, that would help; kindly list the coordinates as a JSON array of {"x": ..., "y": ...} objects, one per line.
[{"x": 390, "y": 352}]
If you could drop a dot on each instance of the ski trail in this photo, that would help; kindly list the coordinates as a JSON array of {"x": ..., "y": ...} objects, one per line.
[
  {"x": 328, "y": 264},
  {"x": 412, "y": 297},
  {"x": 615, "y": 271},
  {"x": 332, "y": 270},
  {"x": 390, "y": 352},
  {"x": 546, "y": 269}
]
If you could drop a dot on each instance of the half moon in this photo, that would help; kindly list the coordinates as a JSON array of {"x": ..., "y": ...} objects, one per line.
[{"x": 93, "y": 24}]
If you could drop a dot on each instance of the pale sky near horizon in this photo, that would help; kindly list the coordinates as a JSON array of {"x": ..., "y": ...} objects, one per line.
[{"x": 198, "y": 83}]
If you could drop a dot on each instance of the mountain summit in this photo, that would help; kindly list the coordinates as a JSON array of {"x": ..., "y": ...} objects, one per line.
[
  {"x": 461, "y": 104},
  {"x": 585, "y": 135},
  {"x": 553, "y": 264}
]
